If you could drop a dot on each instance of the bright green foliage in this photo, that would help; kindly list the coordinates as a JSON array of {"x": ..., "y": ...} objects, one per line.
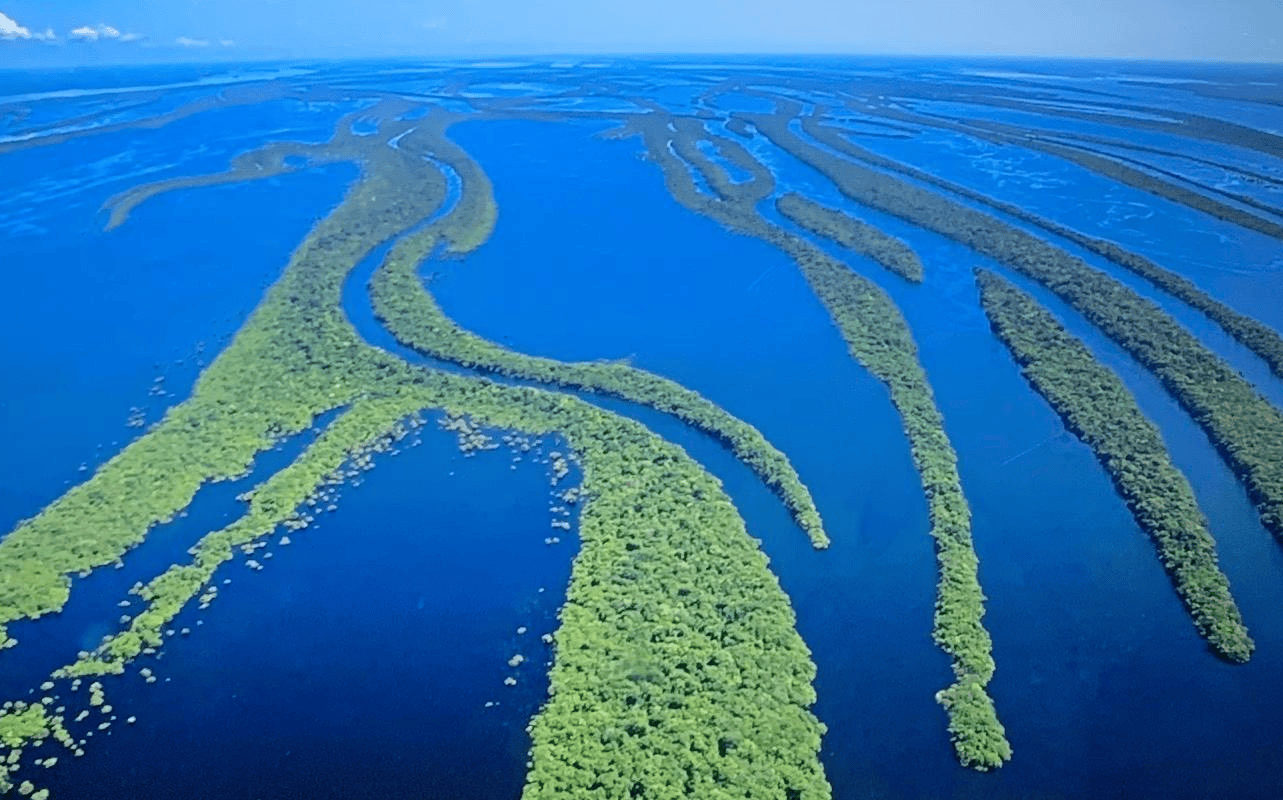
[
  {"x": 296, "y": 357},
  {"x": 852, "y": 234},
  {"x": 676, "y": 638},
  {"x": 879, "y": 338},
  {"x": 1248, "y": 431},
  {"x": 979, "y": 742},
  {"x": 369, "y": 425},
  {"x": 1097, "y": 407},
  {"x": 677, "y": 664},
  {"x": 23, "y": 724},
  {"x": 412, "y": 315}
]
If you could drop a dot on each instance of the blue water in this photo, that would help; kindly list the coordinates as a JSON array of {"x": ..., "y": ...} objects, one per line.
[
  {"x": 360, "y": 661},
  {"x": 1237, "y": 266},
  {"x": 102, "y": 315},
  {"x": 1086, "y": 628}
]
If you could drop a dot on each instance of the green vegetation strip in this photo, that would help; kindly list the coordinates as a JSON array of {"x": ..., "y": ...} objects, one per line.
[
  {"x": 408, "y": 310},
  {"x": 1257, "y": 337},
  {"x": 852, "y": 234},
  {"x": 370, "y": 425},
  {"x": 1099, "y": 409},
  {"x": 878, "y": 338},
  {"x": 295, "y": 358},
  {"x": 676, "y": 639},
  {"x": 678, "y": 668},
  {"x": 760, "y": 183},
  {"x": 1246, "y": 429}
]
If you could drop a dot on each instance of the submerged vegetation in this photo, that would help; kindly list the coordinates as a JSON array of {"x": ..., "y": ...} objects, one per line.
[{"x": 1097, "y": 407}]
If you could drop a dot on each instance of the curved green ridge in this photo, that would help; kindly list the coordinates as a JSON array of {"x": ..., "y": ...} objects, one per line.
[
  {"x": 878, "y": 337},
  {"x": 1098, "y": 408},
  {"x": 676, "y": 640},
  {"x": 268, "y": 161},
  {"x": 474, "y": 216},
  {"x": 761, "y": 181},
  {"x": 296, "y": 357},
  {"x": 696, "y": 581},
  {"x": 410, "y": 313},
  {"x": 1251, "y": 333},
  {"x": 1246, "y": 429},
  {"x": 854, "y": 234}
]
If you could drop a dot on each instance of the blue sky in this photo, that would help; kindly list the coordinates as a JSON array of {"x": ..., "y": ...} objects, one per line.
[{"x": 113, "y": 31}]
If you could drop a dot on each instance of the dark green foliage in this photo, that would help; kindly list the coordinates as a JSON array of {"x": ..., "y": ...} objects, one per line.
[
  {"x": 852, "y": 234},
  {"x": 879, "y": 338},
  {"x": 1256, "y": 336},
  {"x": 1247, "y": 430},
  {"x": 1097, "y": 407}
]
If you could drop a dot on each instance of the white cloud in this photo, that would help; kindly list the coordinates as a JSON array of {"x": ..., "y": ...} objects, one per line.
[
  {"x": 86, "y": 33},
  {"x": 227, "y": 43},
  {"x": 9, "y": 29},
  {"x": 47, "y": 36},
  {"x": 184, "y": 41}
]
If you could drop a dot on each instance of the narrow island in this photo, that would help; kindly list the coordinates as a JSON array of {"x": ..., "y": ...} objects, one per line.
[
  {"x": 1251, "y": 333},
  {"x": 1246, "y": 429},
  {"x": 1096, "y": 406},
  {"x": 879, "y": 339},
  {"x": 853, "y": 234}
]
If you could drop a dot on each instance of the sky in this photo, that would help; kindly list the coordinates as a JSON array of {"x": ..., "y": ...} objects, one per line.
[{"x": 35, "y": 32}]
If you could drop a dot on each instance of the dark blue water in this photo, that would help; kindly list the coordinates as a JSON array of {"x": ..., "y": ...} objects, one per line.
[
  {"x": 360, "y": 661},
  {"x": 1092, "y": 646},
  {"x": 98, "y": 317},
  {"x": 731, "y": 318}
]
